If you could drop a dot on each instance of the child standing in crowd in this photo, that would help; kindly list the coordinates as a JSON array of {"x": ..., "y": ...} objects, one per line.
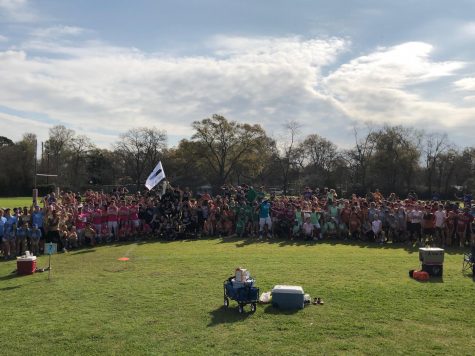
[
  {"x": 377, "y": 229},
  {"x": 22, "y": 233},
  {"x": 3, "y": 221},
  {"x": 35, "y": 236},
  {"x": 264, "y": 218},
  {"x": 9, "y": 235},
  {"x": 112, "y": 218},
  {"x": 307, "y": 229},
  {"x": 238, "y": 211}
]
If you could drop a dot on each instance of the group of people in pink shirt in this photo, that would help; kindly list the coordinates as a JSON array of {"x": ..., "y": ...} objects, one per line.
[{"x": 73, "y": 220}]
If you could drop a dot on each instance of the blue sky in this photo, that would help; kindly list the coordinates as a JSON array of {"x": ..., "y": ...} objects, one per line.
[{"x": 103, "y": 67}]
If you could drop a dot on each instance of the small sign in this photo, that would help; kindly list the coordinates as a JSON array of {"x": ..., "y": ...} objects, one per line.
[{"x": 51, "y": 248}]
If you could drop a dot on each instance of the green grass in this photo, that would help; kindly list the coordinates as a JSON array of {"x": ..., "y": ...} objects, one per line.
[
  {"x": 16, "y": 202},
  {"x": 168, "y": 300}
]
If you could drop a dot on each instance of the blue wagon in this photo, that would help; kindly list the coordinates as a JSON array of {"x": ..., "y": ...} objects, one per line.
[{"x": 242, "y": 293}]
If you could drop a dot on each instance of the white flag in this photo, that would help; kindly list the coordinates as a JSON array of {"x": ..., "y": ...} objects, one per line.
[{"x": 157, "y": 175}]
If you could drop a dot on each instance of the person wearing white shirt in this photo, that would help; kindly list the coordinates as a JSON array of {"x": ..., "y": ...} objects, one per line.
[
  {"x": 440, "y": 218},
  {"x": 376, "y": 227}
]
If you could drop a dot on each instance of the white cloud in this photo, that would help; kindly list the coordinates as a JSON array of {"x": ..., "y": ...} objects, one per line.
[
  {"x": 57, "y": 32},
  {"x": 3, "y": 38},
  {"x": 108, "y": 88},
  {"x": 14, "y": 127},
  {"x": 17, "y": 11},
  {"x": 468, "y": 29},
  {"x": 102, "y": 90},
  {"x": 465, "y": 84},
  {"x": 377, "y": 87}
]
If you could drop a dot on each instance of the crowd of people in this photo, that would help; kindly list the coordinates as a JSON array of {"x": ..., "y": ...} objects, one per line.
[{"x": 74, "y": 220}]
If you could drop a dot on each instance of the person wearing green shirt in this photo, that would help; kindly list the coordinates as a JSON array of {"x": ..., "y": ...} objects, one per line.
[{"x": 315, "y": 221}]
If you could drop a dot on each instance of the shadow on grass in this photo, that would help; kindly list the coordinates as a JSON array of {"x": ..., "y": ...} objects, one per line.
[
  {"x": 4, "y": 289},
  {"x": 10, "y": 276},
  {"x": 273, "y": 310},
  {"x": 82, "y": 252},
  {"x": 284, "y": 241},
  {"x": 227, "y": 315},
  {"x": 246, "y": 241}
]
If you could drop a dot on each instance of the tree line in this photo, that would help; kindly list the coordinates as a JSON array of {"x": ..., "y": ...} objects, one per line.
[{"x": 391, "y": 158}]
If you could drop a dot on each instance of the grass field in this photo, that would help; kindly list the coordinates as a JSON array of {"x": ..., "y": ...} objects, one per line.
[
  {"x": 167, "y": 299},
  {"x": 15, "y": 202}
]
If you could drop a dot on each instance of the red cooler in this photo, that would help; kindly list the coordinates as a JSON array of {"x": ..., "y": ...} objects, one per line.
[{"x": 26, "y": 265}]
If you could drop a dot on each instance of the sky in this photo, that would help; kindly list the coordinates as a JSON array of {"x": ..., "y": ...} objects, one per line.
[{"x": 104, "y": 67}]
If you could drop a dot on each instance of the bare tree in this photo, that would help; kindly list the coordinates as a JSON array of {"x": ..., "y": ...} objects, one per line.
[
  {"x": 434, "y": 146},
  {"x": 360, "y": 155},
  {"x": 289, "y": 156},
  {"x": 140, "y": 150}
]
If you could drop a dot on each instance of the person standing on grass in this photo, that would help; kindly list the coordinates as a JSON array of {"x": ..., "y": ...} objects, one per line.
[
  {"x": 9, "y": 234},
  {"x": 80, "y": 223},
  {"x": 464, "y": 220},
  {"x": 415, "y": 219},
  {"x": 96, "y": 216},
  {"x": 451, "y": 225},
  {"x": 112, "y": 218},
  {"x": 53, "y": 227},
  {"x": 134, "y": 216},
  {"x": 22, "y": 234},
  {"x": 3, "y": 221},
  {"x": 315, "y": 220},
  {"x": 25, "y": 216},
  {"x": 37, "y": 218},
  {"x": 428, "y": 225},
  {"x": 354, "y": 223},
  {"x": 440, "y": 220},
  {"x": 35, "y": 236},
  {"x": 123, "y": 214},
  {"x": 264, "y": 218},
  {"x": 377, "y": 228}
]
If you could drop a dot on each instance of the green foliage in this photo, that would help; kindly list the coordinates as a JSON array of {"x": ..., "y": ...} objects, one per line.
[
  {"x": 224, "y": 144},
  {"x": 168, "y": 300}
]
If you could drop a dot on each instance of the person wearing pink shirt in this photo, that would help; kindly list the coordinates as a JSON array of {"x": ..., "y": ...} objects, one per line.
[
  {"x": 80, "y": 223},
  {"x": 123, "y": 216},
  {"x": 134, "y": 215},
  {"x": 97, "y": 220}
]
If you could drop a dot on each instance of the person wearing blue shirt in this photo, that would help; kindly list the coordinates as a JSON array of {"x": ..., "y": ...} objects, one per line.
[
  {"x": 35, "y": 236},
  {"x": 3, "y": 220},
  {"x": 264, "y": 218},
  {"x": 37, "y": 218},
  {"x": 9, "y": 235},
  {"x": 22, "y": 233}
]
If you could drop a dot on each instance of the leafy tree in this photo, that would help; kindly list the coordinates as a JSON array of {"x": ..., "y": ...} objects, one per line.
[
  {"x": 101, "y": 167},
  {"x": 321, "y": 155},
  {"x": 359, "y": 157},
  {"x": 224, "y": 144},
  {"x": 395, "y": 158},
  {"x": 5, "y": 141}
]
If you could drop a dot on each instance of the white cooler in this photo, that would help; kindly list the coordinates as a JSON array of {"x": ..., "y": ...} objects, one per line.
[
  {"x": 288, "y": 297},
  {"x": 432, "y": 260}
]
